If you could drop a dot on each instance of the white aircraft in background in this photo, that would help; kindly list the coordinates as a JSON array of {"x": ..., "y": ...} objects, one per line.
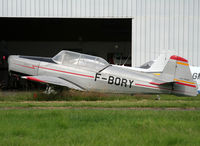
[
  {"x": 159, "y": 63},
  {"x": 195, "y": 70}
]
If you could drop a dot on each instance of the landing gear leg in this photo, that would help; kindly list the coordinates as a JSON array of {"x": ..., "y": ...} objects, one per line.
[{"x": 49, "y": 90}]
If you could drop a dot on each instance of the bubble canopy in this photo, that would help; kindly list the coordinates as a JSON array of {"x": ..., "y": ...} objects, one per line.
[{"x": 69, "y": 58}]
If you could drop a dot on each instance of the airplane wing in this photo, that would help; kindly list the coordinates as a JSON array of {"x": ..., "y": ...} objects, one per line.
[{"x": 55, "y": 81}]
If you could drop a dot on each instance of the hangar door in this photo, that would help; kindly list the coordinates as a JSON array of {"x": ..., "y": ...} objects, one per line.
[
  {"x": 107, "y": 38},
  {"x": 47, "y": 36}
]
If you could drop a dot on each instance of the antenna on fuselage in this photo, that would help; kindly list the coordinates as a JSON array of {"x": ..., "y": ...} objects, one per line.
[{"x": 126, "y": 60}]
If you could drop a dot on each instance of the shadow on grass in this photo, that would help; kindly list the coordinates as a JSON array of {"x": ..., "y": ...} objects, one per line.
[{"x": 72, "y": 95}]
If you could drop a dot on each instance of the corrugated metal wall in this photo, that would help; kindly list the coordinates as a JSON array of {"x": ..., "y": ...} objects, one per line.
[
  {"x": 165, "y": 24},
  {"x": 66, "y": 8},
  {"x": 157, "y": 25}
]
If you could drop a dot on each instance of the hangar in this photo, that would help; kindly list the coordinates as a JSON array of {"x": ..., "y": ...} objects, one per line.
[
  {"x": 48, "y": 36},
  {"x": 113, "y": 29}
]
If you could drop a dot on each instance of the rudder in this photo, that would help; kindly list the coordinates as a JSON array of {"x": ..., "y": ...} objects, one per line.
[
  {"x": 183, "y": 82},
  {"x": 177, "y": 74}
]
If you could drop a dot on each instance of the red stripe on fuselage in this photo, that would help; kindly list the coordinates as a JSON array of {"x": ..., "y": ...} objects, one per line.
[
  {"x": 151, "y": 86},
  {"x": 155, "y": 83},
  {"x": 175, "y": 82},
  {"x": 33, "y": 67},
  {"x": 35, "y": 79},
  {"x": 162, "y": 88},
  {"x": 67, "y": 72},
  {"x": 185, "y": 84}
]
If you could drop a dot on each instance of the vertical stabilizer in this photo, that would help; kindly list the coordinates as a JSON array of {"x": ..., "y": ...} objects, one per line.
[
  {"x": 183, "y": 82},
  {"x": 177, "y": 73},
  {"x": 160, "y": 62}
]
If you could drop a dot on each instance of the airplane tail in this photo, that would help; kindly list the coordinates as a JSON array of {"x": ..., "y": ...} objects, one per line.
[
  {"x": 177, "y": 73},
  {"x": 160, "y": 62}
]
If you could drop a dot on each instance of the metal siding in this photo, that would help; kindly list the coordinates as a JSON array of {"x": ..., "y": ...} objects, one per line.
[
  {"x": 195, "y": 32},
  {"x": 1, "y": 8},
  {"x": 69, "y": 11},
  {"x": 157, "y": 24},
  {"x": 105, "y": 8},
  {"x": 129, "y": 9},
  {"x": 165, "y": 24},
  {"x": 4, "y": 7},
  {"x": 134, "y": 32},
  {"x": 9, "y": 10},
  {"x": 28, "y": 8}
]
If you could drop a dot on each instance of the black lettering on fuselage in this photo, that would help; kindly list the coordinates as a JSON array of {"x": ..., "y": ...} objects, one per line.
[
  {"x": 131, "y": 82},
  {"x": 124, "y": 82},
  {"x": 196, "y": 76},
  {"x": 119, "y": 81},
  {"x": 115, "y": 80},
  {"x": 110, "y": 80},
  {"x": 97, "y": 76}
]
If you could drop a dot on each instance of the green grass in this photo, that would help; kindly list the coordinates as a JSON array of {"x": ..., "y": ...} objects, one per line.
[
  {"x": 24, "y": 125},
  {"x": 106, "y": 104},
  {"x": 99, "y": 127},
  {"x": 88, "y": 99},
  {"x": 72, "y": 95}
]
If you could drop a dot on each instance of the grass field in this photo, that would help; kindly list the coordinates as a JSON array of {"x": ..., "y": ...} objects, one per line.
[
  {"x": 99, "y": 127},
  {"x": 85, "y": 99},
  {"x": 107, "y": 119}
]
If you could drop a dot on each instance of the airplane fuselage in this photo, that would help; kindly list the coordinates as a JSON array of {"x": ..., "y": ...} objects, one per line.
[{"x": 113, "y": 79}]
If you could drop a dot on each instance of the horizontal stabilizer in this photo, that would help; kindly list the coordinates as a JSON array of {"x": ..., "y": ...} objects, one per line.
[{"x": 54, "y": 81}]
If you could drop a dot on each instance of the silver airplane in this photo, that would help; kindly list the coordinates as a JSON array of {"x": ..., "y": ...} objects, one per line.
[{"x": 90, "y": 73}]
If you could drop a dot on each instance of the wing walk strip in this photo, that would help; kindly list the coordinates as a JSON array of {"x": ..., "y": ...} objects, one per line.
[{"x": 33, "y": 67}]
